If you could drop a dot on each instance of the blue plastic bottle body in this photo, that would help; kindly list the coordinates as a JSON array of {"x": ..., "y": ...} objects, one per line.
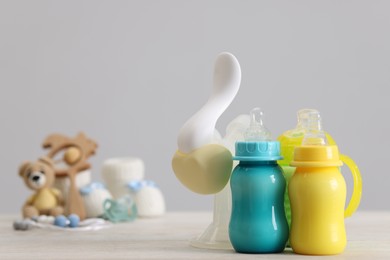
[{"x": 258, "y": 222}]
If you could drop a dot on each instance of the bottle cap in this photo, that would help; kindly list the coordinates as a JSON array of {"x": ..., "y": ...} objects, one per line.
[
  {"x": 316, "y": 156},
  {"x": 258, "y": 151},
  {"x": 257, "y": 145}
]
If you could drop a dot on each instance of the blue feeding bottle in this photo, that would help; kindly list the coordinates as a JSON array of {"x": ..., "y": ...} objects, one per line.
[{"x": 258, "y": 221}]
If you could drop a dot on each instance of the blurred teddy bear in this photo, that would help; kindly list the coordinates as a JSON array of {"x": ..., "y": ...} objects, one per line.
[{"x": 39, "y": 176}]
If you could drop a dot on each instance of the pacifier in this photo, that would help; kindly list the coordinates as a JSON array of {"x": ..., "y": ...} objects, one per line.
[
  {"x": 122, "y": 209},
  {"x": 201, "y": 165}
]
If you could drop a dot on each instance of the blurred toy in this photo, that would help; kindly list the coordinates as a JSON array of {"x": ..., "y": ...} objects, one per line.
[
  {"x": 82, "y": 179},
  {"x": 24, "y": 224},
  {"x": 94, "y": 195},
  {"x": 122, "y": 209},
  {"x": 60, "y": 223},
  {"x": 44, "y": 219},
  {"x": 117, "y": 172},
  {"x": 39, "y": 176},
  {"x": 148, "y": 198},
  {"x": 76, "y": 151},
  {"x": 71, "y": 221}
]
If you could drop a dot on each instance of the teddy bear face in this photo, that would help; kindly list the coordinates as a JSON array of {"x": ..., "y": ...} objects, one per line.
[{"x": 37, "y": 175}]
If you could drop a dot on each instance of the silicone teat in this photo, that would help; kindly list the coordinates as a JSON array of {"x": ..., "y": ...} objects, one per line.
[
  {"x": 257, "y": 131},
  {"x": 303, "y": 116},
  {"x": 314, "y": 134}
]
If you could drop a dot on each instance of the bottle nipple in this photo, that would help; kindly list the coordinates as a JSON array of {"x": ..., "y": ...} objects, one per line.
[
  {"x": 311, "y": 122},
  {"x": 303, "y": 115},
  {"x": 257, "y": 131}
]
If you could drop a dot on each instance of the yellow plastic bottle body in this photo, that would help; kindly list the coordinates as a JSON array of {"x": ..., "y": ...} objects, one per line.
[
  {"x": 317, "y": 196},
  {"x": 288, "y": 141}
]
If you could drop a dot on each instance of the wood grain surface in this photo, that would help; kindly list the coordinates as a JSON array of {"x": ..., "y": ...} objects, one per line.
[{"x": 167, "y": 238}]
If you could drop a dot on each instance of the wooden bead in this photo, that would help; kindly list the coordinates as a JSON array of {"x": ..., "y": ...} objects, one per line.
[{"x": 72, "y": 155}]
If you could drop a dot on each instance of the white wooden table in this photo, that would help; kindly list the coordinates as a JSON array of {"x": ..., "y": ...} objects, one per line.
[{"x": 167, "y": 238}]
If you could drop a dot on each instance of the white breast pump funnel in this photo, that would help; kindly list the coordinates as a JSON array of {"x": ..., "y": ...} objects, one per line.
[
  {"x": 202, "y": 163},
  {"x": 216, "y": 236}
]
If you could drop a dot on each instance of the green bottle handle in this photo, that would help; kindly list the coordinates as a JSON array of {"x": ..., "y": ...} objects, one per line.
[{"x": 357, "y": 185}]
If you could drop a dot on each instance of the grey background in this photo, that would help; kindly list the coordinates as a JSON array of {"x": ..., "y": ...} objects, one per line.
[{"x": 130, "y": 73}]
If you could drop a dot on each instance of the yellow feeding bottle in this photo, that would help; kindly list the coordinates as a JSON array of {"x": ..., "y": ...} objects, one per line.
[
  {"x": 317, "y": 193},
  {"x": 288, "y": 141}
]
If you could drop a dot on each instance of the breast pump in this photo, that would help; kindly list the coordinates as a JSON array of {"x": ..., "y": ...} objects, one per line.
[{"x": 204, "y": 164}]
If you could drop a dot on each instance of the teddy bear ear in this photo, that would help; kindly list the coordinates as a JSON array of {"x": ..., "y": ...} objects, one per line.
[
  {"x": 23, "y": 168},
  {"x": 47, "y": 160}
]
